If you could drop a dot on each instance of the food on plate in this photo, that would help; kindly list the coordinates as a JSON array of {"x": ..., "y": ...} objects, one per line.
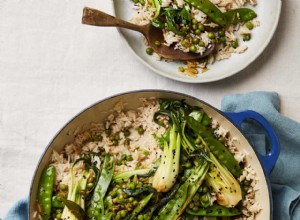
[
  {"x": 194, "y": 25},
  {"x": 164, "y": 160}
]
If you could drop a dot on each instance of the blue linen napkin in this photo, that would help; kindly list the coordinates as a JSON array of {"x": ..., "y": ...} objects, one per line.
[
  {"x": 19, "y": 211},
  {"x": 284, "y": 178}
]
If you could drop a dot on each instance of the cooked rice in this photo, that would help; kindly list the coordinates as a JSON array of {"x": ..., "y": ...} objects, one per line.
[
  {"x": 144, "y": 14},
  {"x": 119, "y": 120}
]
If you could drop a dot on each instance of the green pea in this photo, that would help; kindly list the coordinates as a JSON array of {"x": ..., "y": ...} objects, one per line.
[
  {"x": 195, "y": 40},
  {"x": 196, "y": 197},
  {"x": 140, "y": 217},
  {"x": 119, "y": 162},
  {"x": 195, "y": 209},
  {"x": 249, "y": 25},
  {"x": 205, "y": 189},
  {"x": 58, "y": 215},
  {"x": 115, "y": 142},
  {"x": 117, "y": 136},
  {"x": 135, "y": 1},
  {"x": 149, "y": 50},
  {"x": 142, "y": 2},
  {"x": 191, "y": 205},
  {"x": 181, "y": 69},
  {"x": 89, "y": 185},
  {"x": 193, "y": 49},
  {"x": 140, "y": 130},
  {"x": 221, "y": 33},
  {"x": 108, "y": 131},
  {"x": 188, "y": 164},
  {"x": 235, "y": 44},
  {"x": 184, "y": 29},
  {"x": 63, "y": 187},
  {"x": 118, "y": 216},
  {"x": 131, "y": 199},
  {"x": 185, "y": 42},
  {"x": 129, "y": 157},
  {"x": 246, "y": 37},
  {"x": 157, "y": 43},
  {"x": 123, "y": 156},
  {"x": 246, "y": 188},
  {"x": 211, "y": 35},
  {"x": 194, "y": 27},
  {"x": 126, "y": 133},
  {"x": 194, "y": 21},
  {"x": 201, "y": 27},
  {"x": 123, "y": 213},
  {"x": 132, "y": 185},
  {"x": 127, "y": 142},
  {"x": 197, "y": 32},
  {"x": 222, "y": 39},
  {"x": 201, "y": 44}
]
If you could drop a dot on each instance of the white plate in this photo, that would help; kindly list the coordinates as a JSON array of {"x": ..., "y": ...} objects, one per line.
[{"x": 268, "y": 14}]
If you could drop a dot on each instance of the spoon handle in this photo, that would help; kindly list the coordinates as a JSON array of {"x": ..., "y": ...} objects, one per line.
[{"x": 98, "y": 18}]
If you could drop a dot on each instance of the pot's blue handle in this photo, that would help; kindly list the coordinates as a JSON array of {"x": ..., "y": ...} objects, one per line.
[{"x": 268, "y": 161}]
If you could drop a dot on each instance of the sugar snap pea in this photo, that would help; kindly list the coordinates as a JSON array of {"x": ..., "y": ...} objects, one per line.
[
  {"x": 210, "y": 10},
  {"x": 215, "y": 210},
  {"x": 96, "y": 208},
  {"x": 140, "y": 207},
  {"x": 217, "y": 16},
  {"x": 239, "y": 15},
  {"x": 45, "y": 191},
  {"x": 224, "y": 155}
]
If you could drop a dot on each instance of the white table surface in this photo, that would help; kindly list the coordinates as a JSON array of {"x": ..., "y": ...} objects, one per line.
[{"x": 51, "y": 67}]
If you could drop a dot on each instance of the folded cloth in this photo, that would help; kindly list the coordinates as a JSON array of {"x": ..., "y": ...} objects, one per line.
[
  {"x": 285, "y": 176},
  {"x": 18, "y": 211}
]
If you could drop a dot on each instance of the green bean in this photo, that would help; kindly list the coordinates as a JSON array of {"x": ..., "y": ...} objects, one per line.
[
  {"x": 45, "y": 191},
  {"x": 215, "y": 210},
  {"x": 224, "y": 155}
]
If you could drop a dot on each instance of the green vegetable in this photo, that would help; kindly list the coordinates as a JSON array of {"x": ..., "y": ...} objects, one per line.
[
  {"x": 210, "y": 10},
  {"x": 249, "y": 25},
  {"x": 75, "y": 194},
  {"x": 96, "y": 208},
  {"x": 214, "y": 13},
  {"x": 224, "y": 156},
  {"x": 238, "y": 15},
  {"x": 76, "y": 210},
  {"x": 57, "y": 202},
  {"x": 45, "y": 191},
  {"x": 226, "y": 187},
  {"x": 156, "y": 4},
  {"x": 149, "y": 51},
  {"x": 125, "y": 176},
  {"x": 215, "y": 210},
  {"x": 139, "y": 208},
  {"x": 182, "y": 198},
  {"x": 138, "y": 191},
  {"x": 150, "y": 210},
  {"x": 167, "y": 172}
]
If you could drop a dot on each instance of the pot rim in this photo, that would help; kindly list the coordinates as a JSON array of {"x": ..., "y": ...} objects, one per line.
[{"x": 149, "y": 91}]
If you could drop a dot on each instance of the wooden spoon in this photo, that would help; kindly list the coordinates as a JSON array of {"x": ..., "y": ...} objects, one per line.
[{"x": 151, "y": 33}]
